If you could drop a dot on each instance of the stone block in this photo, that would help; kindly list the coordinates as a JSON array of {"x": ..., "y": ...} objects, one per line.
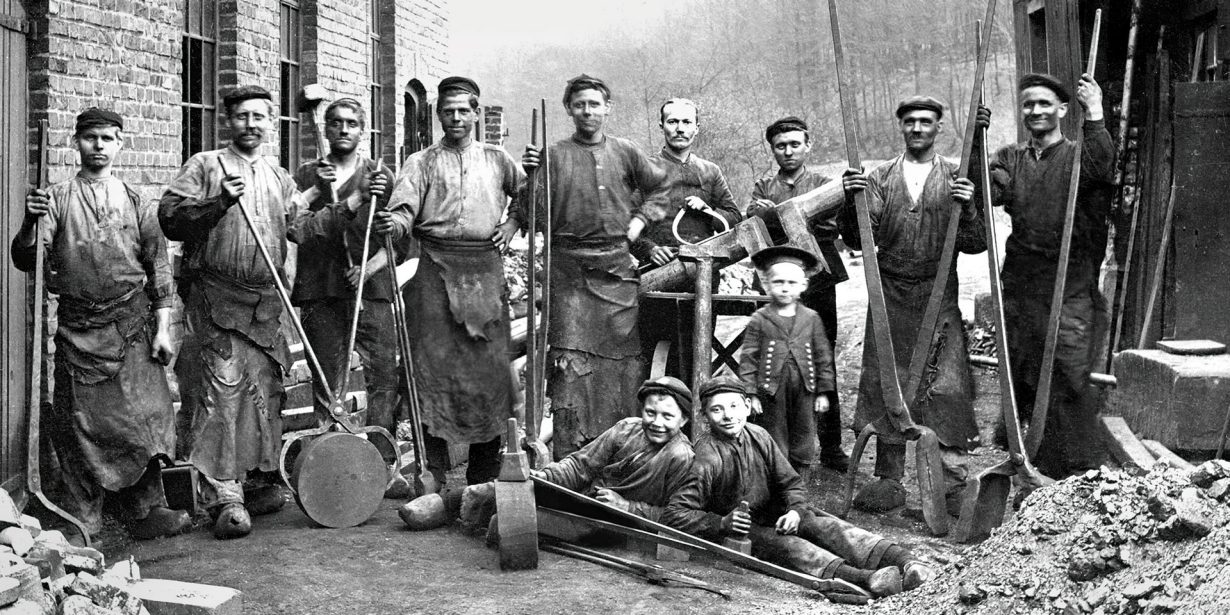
[
  {"x": 165, "y": 597},
  {"x": 105, "y": 595},
  {"x": 80, "y": 605},
  {"x": 1180, "y": 401},
  {"x": 30, "y": 585},
  {"x": 424, "y": 513},
  {"x": 10, "y": 590}
]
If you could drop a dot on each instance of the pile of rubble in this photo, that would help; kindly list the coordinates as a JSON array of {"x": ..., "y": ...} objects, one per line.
[
  {"x": 41, "y": 573},
  {"x": 1108, "y": 542}
]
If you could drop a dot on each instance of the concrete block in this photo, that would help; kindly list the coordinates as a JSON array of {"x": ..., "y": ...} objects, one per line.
[
  {"x": 1180, "y": 401},
  {"x": 165, "y": 597},
  {"x": 105, "y": 595}
]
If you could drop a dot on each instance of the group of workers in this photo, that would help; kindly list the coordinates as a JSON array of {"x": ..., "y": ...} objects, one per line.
[{"x": 455, "y": 205}]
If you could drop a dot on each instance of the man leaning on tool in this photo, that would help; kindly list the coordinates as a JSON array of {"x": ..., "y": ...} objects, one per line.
[
  {"x": 233, "y": 355},
  {"x": 911, "y": 200},
  {"x": 595, "y": 362},
  {"x": 107, "y": 260},
  {"x": 451, "y": 198},
  {"x": 739, "y": 462},
  {"x": 1030, "y": 181},
  {"x": 327, "y": 266},
  {"x": 635, "y": 465},
  {"x": 791, "y": 144}
]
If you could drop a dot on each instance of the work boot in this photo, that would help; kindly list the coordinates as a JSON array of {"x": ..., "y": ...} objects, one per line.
[
  {"x": 233, "y": 522},
  {"x": 915, "y": 573},
  {"x": 160, "y": 521},
  {"x": 885, "y": 582},
  {"x": 835, "y": 459},
  {"x": 881, "y": 496},
  {"x": 264, "y": 500}
]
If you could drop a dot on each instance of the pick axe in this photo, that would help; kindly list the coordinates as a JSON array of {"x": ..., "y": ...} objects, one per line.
[
  {"x": 928, "y": 467},
  {"x": 311, "y": 100}
]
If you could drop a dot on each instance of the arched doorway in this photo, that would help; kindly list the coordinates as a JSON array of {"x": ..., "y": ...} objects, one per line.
[{"x": 417, "y": 119}]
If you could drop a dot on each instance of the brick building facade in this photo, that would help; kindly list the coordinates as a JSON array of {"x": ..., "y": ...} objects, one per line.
[{"x": 161, "y": 64}]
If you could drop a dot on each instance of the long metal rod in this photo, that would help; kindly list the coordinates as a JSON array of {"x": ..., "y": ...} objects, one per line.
[
  {"x": 1159, "y": 270},
  {"x": 544, "y": 327},
  {"x": 344, "y": 387},
  {"x": 533, "y": 401},
  {"x": 34, "y": 475},
  {"x": 401, "y": 323},
  {"x": 1042, "y": 401},
  {"x": 939, "y": 287}
]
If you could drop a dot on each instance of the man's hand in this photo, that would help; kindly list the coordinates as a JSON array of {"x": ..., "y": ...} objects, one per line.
[
  {"x": 38, "y": 203},
  {"x": 383, "y": 224},
  {"x": 232, "y": 189},
  {"x": 758, "y": 206},
  {"x": 1089, "y": 93},
  {"x": 737, "y": 522},
  {"x": 326, "y": 172},
  {"x": 504, "y": 233},
  {"x": 695, "y": 202},
  {"x": 983, "y": 118},
  {"x": 961, "y": 189},
  {"x": 610, "y": 498},
  {"x": 530, "y": 159},
  {"x": 788, "y": 523},
  {"x": 661, "y": 255},
  {"x": 822, "y": 404},
  {"x": 161, "y": 349},
  {"x": 853, "y": 181},
  {"x": 754, "y": 402},
  {"x": 377, "y": 184},
  {"x": 634, "y": 228}
]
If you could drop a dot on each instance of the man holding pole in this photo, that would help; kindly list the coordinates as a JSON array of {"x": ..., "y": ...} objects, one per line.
[
  {"x": 451, "y": 197},
  {"x": 911, "y": 200},
  {"x": 234, "y": 355},
  {"x": 791, "y": 144},
  {"x": 327, "y": 270},
  {"x": 107, "y": 261},
  {"x": 595, "y": 364},
  {"x": 1030, "y": 181}
]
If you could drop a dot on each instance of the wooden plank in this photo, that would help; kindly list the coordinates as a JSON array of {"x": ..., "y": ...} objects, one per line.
[
  {"x": 14, "y": 121},
  {"x": 1123, "y": 444},
  {"x": 1161, "y": 453}
]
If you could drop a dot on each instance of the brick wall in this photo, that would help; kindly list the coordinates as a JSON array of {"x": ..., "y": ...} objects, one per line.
[
  {"x": 248, "y": 32},
  {"x": 493, "y": 125}
]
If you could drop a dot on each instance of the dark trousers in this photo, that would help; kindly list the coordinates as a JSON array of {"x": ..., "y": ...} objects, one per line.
[
  {"x": 327, "y": 324},
  {"x": 484, "y": 460},
  {"x": 822, "y": 544},
  {"x": 790, "y": 417},
  {"x": 824, "y": 302}
]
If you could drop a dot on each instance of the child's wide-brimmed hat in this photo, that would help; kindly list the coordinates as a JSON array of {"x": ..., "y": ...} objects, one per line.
[{"x": 784, "y": 254}]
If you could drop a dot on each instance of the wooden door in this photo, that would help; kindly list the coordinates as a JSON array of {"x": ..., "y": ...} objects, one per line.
[{"x": 14, "y": 322}]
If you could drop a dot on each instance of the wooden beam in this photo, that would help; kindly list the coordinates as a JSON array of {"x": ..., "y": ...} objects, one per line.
[{"x": 1123, "y": 444}]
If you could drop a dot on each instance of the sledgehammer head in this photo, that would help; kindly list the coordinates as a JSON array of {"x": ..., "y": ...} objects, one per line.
[{"x": 311, "y": 96}]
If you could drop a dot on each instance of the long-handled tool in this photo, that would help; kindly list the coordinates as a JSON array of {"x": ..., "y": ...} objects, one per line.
[
  {"x": 928, "y": 463},
  {"x": 1159, "y": 270},
  {"x": 338, "y": 481},
  {"x": 1042, "y": 401},
  {"x": 514, "y": 498},
  {"x": 34, "y": 475},
  {"x": 544, "y": 339},
  {"x": 312, "y": 102},
  {"x": 835, "y": 590},
  {"x": 650, "y": 572},
  {"x": 535, "y": 384},
  {"x": 344, "y": 386},
  {"x": 986, "y": 495}
]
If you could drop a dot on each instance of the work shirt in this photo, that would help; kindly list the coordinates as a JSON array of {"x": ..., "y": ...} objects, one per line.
[
  {"x": 690, "y": 176},
  {"x": 334, "y": 240},
  {"x": 593, "y": 186},
  {"x": 623, "y": 460},
  {"x": 455, "y": 193},
  {"x": 779, "y": 189},
  {"x": 102, "y": 244},
  {"x": 1032, "y": 186},
  {"x": 749, "y": 467}
]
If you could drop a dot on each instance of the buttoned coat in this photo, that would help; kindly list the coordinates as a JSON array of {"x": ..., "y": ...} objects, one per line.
[{"x": 769, "y": 339}]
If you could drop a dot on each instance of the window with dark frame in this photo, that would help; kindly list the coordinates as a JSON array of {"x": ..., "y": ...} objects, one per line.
[
  {"x": 375, "y": 109},
  {"x": 199, "y": 73},
  {"x": 291, "y": 46}
]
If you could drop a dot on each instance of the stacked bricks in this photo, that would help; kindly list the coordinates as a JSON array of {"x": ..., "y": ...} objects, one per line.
[{"x": 493, "y": 125}]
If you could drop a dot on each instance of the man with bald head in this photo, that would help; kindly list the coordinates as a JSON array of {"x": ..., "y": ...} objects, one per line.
[{"x": 911, "y": 199}]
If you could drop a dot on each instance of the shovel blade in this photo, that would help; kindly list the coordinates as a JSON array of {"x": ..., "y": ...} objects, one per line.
[
  {"x": 929, "y": 467},
  {"x": 986, "y": 501}
]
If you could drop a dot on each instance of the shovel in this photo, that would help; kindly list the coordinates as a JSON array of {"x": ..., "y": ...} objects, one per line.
[{"x": 929, "y": 467}]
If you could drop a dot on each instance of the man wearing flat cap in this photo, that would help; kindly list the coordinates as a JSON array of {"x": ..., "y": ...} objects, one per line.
[
  {"x": 111, "y": 416},
  {"x": 740, "y": 462},
  {"x": 911, "y": 199},
  {"x": 595, "y": 356},
  {"x": 790, "y": 142},
  {"x": 234, "y": 354},
  {"x": 1030, "y": 181},
  {"x": 635, "y": 465},
  {"x": 452, "y": 198}
]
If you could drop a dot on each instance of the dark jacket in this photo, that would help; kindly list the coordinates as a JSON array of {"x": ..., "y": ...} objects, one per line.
[{"x": 770, "y": 339}]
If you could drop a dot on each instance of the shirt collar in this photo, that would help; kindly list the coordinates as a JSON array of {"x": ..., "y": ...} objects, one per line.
[
  {"x": 804, "y": 171},
  {"x": 669, "y": 155},
  {"x": 1039, "y": 153}
]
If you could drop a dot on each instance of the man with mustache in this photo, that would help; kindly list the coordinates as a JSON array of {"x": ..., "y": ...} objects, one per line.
[
  {"x": 595, "y": 357},
  {"x": 111, "y": 415},
  {"x": 234, "y": 355},
  {"x": 911, "y": 199},
  {"x": 327, "y": 266},
  {"x": 451, "y": 198},
  {"x": 1030, "y": 181},
  {"x": 790, "y": 142}
]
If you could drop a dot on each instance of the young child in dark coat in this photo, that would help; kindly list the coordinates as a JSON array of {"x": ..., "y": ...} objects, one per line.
[{"x": 786, "y": 357}]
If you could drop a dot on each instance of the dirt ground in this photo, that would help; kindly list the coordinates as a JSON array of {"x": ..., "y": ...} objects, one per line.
[{"x": 289, "y": 566}]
